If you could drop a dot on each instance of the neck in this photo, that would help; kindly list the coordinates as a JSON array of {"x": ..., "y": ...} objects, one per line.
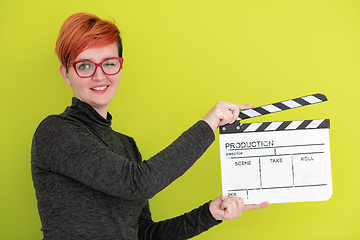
[{"x": 102, "y": 111}]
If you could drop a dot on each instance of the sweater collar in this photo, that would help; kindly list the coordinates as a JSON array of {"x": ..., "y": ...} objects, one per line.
[{"x": 87, "y": 114}]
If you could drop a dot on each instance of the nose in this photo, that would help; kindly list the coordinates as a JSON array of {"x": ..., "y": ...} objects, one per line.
[{"x": 99, "y": 74}]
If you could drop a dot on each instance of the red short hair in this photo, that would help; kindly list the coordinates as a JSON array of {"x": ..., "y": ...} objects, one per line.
[{"x": 82, "y": 31}]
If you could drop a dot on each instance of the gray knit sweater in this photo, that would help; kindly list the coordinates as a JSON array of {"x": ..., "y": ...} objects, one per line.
[{"x": 91, "y": 182}]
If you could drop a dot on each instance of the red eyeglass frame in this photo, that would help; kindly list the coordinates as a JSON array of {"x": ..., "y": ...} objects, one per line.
[{"x": 98, "y": 65}]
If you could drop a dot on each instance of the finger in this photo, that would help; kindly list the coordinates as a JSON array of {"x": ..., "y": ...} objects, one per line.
[
  {"x": 232, "y": 110},
  {"x": 256, "y": 206},
  {"x": 244, "y": 107},
  {"x": 226, "y": 202},
  {"x": 240, "y": 203},
  {"x": 235, "y": 108},
  {"x": 234, "y": 207},
  {"x": 225, "y": 117},
  {"x": 236, "y": 112},
  {"x": 229, "y": 105},
  {"x": 217, "y": 201},
  {"x": 235, "y": 115},
  {"x": 233, "y": 202}
]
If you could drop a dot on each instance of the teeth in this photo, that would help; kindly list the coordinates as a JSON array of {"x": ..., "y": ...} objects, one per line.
[{"x": 100, "y": 88}]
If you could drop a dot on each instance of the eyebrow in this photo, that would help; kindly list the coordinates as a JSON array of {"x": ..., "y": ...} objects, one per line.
[{"x": 89, "y": 60}]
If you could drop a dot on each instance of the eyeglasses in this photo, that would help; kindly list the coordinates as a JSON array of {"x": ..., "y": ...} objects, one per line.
[{"x": 110, "y": 66}]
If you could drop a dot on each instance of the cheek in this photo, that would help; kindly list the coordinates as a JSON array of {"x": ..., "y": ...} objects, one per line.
[
  {"x": 79, "y": 85},
  {"x": 115, "y": 79}
]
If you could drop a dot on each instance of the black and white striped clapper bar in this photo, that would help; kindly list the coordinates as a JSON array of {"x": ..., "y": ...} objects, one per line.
[{"x": 277, "y": 162}]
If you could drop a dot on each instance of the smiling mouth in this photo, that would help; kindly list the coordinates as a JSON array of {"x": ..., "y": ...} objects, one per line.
[{"x": 100, "y": 88}]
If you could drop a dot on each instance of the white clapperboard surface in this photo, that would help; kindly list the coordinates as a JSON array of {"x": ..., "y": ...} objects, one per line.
[{"x": 277, "y": 162}]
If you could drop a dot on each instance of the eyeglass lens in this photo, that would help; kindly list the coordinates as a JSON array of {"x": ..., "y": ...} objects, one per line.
[{"x": 111, "y": 66}]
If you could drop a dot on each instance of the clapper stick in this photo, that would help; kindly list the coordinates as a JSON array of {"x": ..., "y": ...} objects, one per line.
[{"x": 281, "y": 106}]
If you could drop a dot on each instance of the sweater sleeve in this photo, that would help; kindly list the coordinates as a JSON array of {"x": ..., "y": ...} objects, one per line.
[
  {"x": 182, "y": 227},
  {"x": 66, "y": 147}
]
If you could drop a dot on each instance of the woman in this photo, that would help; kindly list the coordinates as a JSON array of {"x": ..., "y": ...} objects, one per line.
[{"x": 90, "y": 181}]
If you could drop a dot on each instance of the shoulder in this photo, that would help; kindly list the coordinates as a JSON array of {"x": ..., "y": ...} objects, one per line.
[
  {"x": 57, "y": 128},
  {"x": 56, "y": 122}
]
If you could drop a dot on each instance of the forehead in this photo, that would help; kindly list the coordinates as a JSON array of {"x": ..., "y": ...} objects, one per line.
[{"x": 97, "y": 54}]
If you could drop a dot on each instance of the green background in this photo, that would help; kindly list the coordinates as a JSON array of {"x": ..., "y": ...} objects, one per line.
[{"x": 180, "y": 58}]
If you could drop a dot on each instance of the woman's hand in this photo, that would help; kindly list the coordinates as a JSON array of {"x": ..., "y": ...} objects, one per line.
[
  {"x": 227, "y": 208},
  {"x": 223, "y": 113}
]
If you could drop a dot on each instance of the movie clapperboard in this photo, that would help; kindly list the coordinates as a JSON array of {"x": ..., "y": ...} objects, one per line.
[{"x": 277, "y": 162}]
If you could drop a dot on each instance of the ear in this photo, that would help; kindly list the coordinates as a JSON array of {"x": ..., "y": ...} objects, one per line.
[{"x": 64, "y": 74}]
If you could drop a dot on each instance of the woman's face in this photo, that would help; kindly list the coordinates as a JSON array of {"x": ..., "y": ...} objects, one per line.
[{"x": 100, "y": 89}]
